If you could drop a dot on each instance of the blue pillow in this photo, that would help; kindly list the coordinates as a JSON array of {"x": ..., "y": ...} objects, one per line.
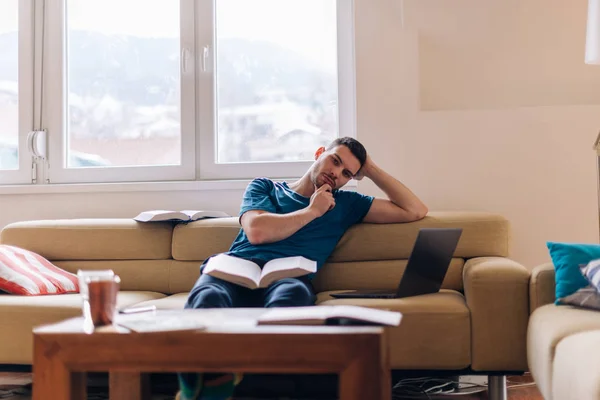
[{"x": 567, "y": 257}]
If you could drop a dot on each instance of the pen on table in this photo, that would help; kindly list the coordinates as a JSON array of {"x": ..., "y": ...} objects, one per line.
[{"x": 135, "y": 310}]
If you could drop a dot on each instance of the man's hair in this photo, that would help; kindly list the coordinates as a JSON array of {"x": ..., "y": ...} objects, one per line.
[{"x": 357, "y": 149}]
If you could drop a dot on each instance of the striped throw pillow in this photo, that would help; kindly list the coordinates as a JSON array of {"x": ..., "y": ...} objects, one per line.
[
  {"x": 591, "y": 271},
  {"x": 588, "y": 297},
  {"x": 26, "y": 273}
]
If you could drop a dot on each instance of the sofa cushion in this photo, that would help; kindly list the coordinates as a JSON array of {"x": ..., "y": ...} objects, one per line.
[
  {"x": 435, "y": 332},
  {"x": 541, "y": 286},
  {"x": 92, "y": 239},
  {"x": 567, "y": 258},
  {"x": 183, "y": 276},
  {"x": 576, "y": 371},
  {"x": 20, "y": 314},
  {"x": 548, "y": 325},
  {"x": 144, "y": 275},
  {"x": 27, "y": 273},
  {"x": 483, "y": 234},
  {"x": 333, "y": 276},
  {"x": 377, "y": 275},
  {"x": 172, "y": 302},
  {"x": 201, "y": 239}
]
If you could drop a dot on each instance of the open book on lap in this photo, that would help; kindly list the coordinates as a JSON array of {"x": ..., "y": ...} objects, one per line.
[
  {"x": 248, "y": 274},
  {"x": 329, "y": 315},
  {"x": 184, "y": 215}
]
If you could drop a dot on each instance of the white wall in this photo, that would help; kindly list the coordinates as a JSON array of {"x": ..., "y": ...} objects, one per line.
[{"x": 475, "y": 105}]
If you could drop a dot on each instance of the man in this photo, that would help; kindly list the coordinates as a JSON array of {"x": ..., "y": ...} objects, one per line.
[{"x": 305, "y": 218}]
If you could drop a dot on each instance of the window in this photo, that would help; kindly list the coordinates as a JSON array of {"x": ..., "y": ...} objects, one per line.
[
  {"x": 156, "y": 90},
  {"x": 125, "y": 84},
  {"x": 16, "y": 97},
  {"x": 9, "y": 86}
]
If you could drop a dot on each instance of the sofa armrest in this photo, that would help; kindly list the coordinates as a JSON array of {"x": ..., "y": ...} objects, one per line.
[
  {"x": 541, "y": 286},
  {"x": 497, "y": 294}
]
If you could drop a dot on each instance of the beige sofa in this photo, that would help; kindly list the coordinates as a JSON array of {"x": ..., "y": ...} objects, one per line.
[
  {"x": 562, "y": 343},
  {"x": 478, "y": 321}
]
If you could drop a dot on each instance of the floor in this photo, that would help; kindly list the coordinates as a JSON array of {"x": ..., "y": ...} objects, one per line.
[
  {"x": 520, "y": 388},
  {"x": 17, "y": 386}
]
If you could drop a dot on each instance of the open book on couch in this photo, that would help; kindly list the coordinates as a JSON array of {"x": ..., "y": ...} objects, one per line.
[
  {"x": 184, "y": 215},
  {"x": 249, "y": 274}
]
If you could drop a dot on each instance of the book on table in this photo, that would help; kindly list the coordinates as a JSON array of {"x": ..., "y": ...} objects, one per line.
[
  {"x": 248, "y": 274},
  {"x": 162, "y": 323},
  {"x": 329, "y": 315},
  {"x": 183, "y": 216}
]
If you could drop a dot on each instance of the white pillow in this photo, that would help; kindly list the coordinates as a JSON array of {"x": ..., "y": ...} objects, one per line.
[{"x": 591, "y": 271}]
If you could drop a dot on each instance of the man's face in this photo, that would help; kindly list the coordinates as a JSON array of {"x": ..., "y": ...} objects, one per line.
[{"x": 335, "y": 167}]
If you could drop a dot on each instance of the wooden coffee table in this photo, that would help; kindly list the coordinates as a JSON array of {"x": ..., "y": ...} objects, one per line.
[{"x": 63, "y": 353}]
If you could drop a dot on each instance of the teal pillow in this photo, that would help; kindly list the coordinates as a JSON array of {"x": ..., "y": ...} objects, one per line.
[{"x": 567, "y": 257}]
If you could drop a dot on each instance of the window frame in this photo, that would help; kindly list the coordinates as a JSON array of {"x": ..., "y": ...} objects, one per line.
[
  {"x": 43, "y": 101},
  {"x": 25, "y": 85},
  {"x": 55, "y": 114},
  {"x": 208, "y": 169}
]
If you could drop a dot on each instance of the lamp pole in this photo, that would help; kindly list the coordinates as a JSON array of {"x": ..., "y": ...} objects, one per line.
[{"x": 592, "y": 57}]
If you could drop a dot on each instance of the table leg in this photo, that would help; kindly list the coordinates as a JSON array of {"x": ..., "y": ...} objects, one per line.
[
  {"x": 359, "y": 382},
  {"x": 51, "y": 378},
  {"x": 78, "y": 385},
  {"x": 368, "y": 376},
  {"x": 129, "y": 385}
]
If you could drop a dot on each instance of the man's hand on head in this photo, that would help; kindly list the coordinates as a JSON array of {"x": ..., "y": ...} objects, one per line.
[
  {"x": 322, "y": 200},
  {"x": 365, "y": 169}
]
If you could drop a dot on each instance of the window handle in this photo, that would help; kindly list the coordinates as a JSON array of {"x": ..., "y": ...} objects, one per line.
[
  {"x": 185, "y": 58},
  {"x": 36, "y": 143},
  {"x": 205, "y": 55}
]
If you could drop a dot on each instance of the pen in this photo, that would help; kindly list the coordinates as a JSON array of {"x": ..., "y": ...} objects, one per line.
[{"x": 134, "y": 310}]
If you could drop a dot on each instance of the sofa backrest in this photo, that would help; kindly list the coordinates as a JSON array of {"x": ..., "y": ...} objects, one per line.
[
  {"x": 166, "y": 258},
  {"x": 91, "y": 239},
  {"x": 139, "y": 253},
  {"x": 483, "y": 234},
  {"x": 368, "y": 256}
]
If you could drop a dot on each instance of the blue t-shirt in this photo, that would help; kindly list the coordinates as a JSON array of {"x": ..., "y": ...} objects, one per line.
[{"x": 316, "y": 240}]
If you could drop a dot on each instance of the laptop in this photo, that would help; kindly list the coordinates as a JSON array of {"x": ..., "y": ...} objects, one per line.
[{"x": 426, "y": 269}]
